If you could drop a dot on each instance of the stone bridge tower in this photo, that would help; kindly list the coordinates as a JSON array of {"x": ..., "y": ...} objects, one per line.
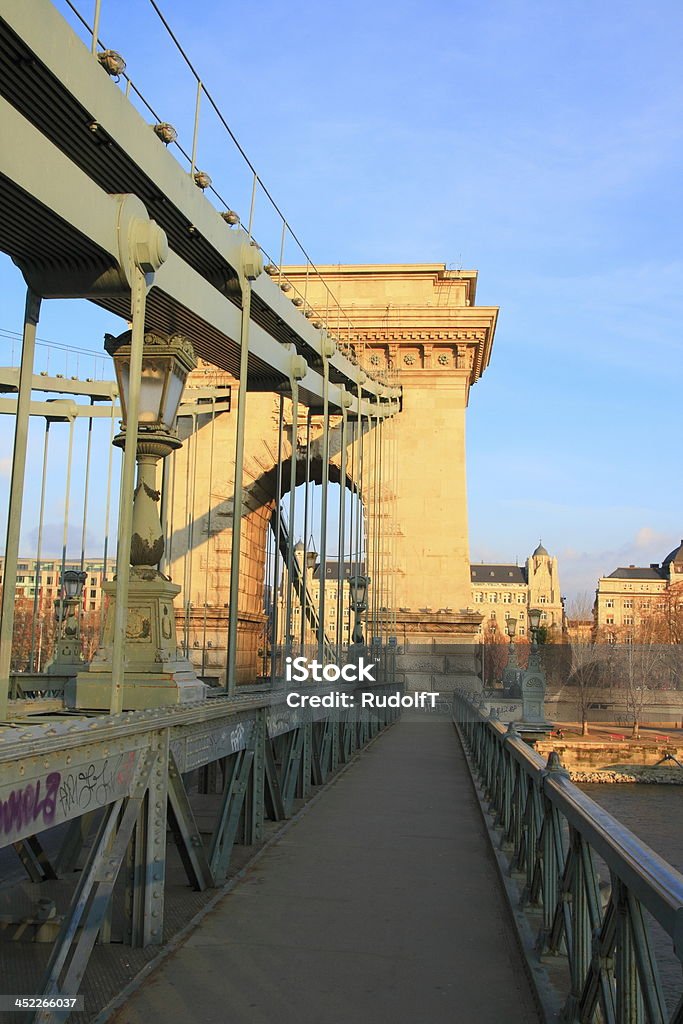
[{"x": 419, "y": 323}]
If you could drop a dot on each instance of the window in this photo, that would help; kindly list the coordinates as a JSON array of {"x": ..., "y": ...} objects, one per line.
[
  {"x": 609, "y": 603},
  {"x": 493, "y": 598},
  {"x": 544, "y": 616},
  {"x": 507, "y": 597},
  {"x": 49, "y": 580},
  {"x": 93, "y": 593},
  {"x": 542, "y": 599},
  {"x": 611, "y": 638},
  {"x": 628, "y": 603},
  {"x": 628, "y": 620},
  {"x": 521, "y": 630},
  {"x": 609, "y": 619},
  {"x": 92, "y": 606},
  {"x": 521, "y": 598}
]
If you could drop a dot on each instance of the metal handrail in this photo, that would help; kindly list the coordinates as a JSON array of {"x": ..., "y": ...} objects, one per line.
[{"x": 551, "y": 835}]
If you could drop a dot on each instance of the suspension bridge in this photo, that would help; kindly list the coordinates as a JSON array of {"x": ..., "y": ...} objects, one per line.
[{"x": 271, "y": 457}]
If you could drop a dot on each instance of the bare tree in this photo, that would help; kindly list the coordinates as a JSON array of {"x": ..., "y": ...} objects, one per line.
[
  {"x": 642, "y": 661},
  {"x": 585, "y": 675},
  {"x": 580, "y": 607},
  {"x": 494, "y": 654}
]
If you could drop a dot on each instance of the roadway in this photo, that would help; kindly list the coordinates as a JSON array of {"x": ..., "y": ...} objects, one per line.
[{"x": 381, "y": 902}]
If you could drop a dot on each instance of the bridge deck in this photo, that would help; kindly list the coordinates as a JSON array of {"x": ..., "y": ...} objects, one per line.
[{"x": 380, "y": 903}]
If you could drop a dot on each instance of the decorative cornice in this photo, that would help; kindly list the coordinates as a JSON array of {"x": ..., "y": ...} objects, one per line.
[{"x": 437, "y": 336}]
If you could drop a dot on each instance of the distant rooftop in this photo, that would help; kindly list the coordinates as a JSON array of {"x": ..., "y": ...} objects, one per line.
[
  {"x": 498, "y": 574},
  {"x": 674, "y": 556},
  {"x": 634, "y": 572}
]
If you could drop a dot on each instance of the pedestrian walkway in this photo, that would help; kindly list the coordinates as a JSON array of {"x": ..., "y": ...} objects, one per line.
[{"x": 380, "y": 904}]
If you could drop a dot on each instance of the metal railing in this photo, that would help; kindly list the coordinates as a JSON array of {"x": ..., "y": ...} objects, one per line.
[
  {"x": 124, "y": 793},
  {"x": 593, "y": 933}
]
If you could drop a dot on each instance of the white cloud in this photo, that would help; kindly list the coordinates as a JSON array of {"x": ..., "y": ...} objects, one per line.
[{"x": 646, "y": 537}]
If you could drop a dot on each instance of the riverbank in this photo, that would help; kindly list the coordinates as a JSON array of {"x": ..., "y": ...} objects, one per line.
[
  {"x": 630, "y": 773},
  {"x": 608, "y": 754}
]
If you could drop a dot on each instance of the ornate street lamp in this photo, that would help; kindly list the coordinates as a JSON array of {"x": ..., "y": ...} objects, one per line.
[
  {"x": 73, "y": 582},
  {"x": 155, "y": 672},
  {"x": 166, "y": 363},
  {"x": 358, "y": 585},
  {"x": 68, "y": 657},
  {"x": 534, "y": 682},
  {"x": 511, "y": 629}
]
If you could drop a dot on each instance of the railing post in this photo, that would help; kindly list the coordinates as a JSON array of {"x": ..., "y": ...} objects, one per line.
[
  {"x": 238, "y": 493},
  {"x": 195, "y": 132},
  {"x": 630, "y": 1008},
  {"x": 16, "y": 495}
]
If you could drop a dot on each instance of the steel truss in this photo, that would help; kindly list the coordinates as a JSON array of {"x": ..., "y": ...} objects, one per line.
[
  {"x": 593, "y": 937},
  {"x": 125, "y": 777}
]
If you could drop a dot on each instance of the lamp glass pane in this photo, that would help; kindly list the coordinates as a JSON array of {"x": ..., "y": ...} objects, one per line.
[
  {"x": 70, "y": 580},
  {"x": 174, "y": 393},
  {"x": 151, "y": 389},
  {"x": 357, "y": 585},
  {"x": 122, "y": 368}
]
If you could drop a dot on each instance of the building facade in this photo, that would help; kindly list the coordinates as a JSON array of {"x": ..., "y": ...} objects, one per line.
[
  {"x": 46, "y": 577},
  {"x": 633, "y": 595},
  {"x": 504, "y": 591}
]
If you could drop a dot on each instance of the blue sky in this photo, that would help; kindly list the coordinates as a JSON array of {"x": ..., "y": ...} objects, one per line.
[{"x": 539, "y": 143}]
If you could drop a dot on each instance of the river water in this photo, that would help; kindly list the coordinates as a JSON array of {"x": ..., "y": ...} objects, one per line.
[{"x": 655, "y": 814}]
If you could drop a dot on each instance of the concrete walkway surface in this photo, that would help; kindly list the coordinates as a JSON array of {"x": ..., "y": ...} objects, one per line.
[{"x": 380, "y": 904}]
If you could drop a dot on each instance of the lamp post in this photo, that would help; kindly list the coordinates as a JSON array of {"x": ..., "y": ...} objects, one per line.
[
  {"x": 155, "y": 674},
  {"x": 533, "y": 682},
  {"x": 534, "y": 626},
  {"x": 358, "y": 585},
  {"x": 491, "y": 661},
  {"x": 68, "y": 657},
  {"x": 511, "y": 629}
]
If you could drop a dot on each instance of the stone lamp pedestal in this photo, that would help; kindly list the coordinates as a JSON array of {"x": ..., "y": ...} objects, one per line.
[
  {"x": 67, "y": 659},
  {"x": 156, "y": 673},
  {"x": 533, "y": 718}
]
